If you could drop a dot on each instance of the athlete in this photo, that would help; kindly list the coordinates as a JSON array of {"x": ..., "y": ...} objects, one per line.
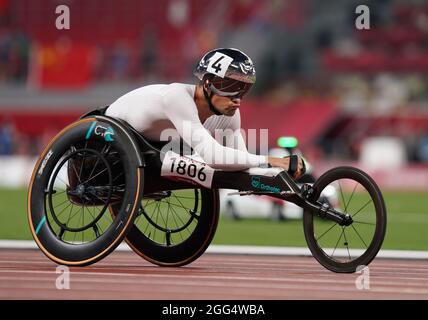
[{"x": 196, "y": 113}]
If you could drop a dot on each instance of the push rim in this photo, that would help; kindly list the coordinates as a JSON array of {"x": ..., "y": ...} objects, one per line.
[{"x": 83, "y": 221}]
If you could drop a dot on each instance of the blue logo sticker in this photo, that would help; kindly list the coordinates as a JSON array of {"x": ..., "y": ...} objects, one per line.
[
  {"x": 106, "y": 132},
  {"x": 255, "y": 182}
]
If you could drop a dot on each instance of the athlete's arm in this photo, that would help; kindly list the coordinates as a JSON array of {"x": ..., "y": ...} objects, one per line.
[
  {"x": 184, "y": 116},
  {"x": 234, "y": 139}
]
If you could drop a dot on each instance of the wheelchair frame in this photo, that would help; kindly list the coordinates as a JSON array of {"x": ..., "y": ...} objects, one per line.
[{"x": 251, "y": 181}]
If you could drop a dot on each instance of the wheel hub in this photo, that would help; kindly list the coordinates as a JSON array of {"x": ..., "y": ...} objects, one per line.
[{"x": 83, "y": 192}]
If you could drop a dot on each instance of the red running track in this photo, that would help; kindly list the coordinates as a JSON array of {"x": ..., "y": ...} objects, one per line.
[{"x": 28, "y": 274}]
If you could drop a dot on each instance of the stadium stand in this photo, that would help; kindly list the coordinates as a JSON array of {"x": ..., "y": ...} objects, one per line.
[{"x": 336, "y": 85}]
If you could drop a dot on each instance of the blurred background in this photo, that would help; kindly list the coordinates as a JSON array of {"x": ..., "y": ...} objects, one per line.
[{"x": 354, "y": 97}]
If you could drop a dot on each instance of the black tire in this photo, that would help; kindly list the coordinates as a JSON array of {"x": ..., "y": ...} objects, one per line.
[
  {"x": 366, "y": 233},
  {"x": 184, "y": 246},
  {"x": 88, "y": 165}
]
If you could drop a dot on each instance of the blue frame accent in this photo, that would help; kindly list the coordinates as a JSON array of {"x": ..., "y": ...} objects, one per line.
[
  {"x": 39, "y": 226},
  {"x": 90, "y": 130}
]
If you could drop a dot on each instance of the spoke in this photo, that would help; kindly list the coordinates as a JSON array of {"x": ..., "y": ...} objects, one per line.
[
  {"x": 181, "y": 207},
  {"x": 149, "y": 221},
  {"x": 180, "y": 201},
  {"x": 61, "y": 203},
  {"x": 93, "y": 168},
  {"x": 362, "y": 208},
  {"x": 55, "y": 193},
  {"x": 337, "y": 243},
  {"x": 176, "y": 225},
  {"x": 102, "y": 200},
  {"x": 57, "y": 215},
  {"x": 99, "y": 173},
  {"x": 346, "y": 243},
  {"x": 120, "y": 174},
  {"x": 75, "y": 233},
  {"x": 106, "y": 149},
  {"x": 83, "y": 162},
  {"x": 83, "y": 224},
  {"x": 148, "y": 204},
  {"x": 361, "y": 222},
  {"x": 156, "y": 222},
  {"x": 93, "y": 218},
  {"x": 167, "y": 215},
  {"x": 66, "y": 185},
  {"x": 335, "y": 224},
  {"x": 89, "y": 179},
  {"x": 105, "y": 217},
  {"x": 346, "y": 207},
  {"x": 183, "y": 197},
  {"x": 74, "y": 214},
  {"x": 114, "y": 197},
  {"x": 160, "y": 212},
  {"x": 178, "y": 216},
  {"x": 92, "y": 215},
  {"x": 167, "y": 200},
  {"x": 341, "y": 193},
  {"x": 103, "y": 151},
  {"x": 75, "y": 171},
  {"x": 359, "y": 236},
  {"x": 69, "y": 214}
]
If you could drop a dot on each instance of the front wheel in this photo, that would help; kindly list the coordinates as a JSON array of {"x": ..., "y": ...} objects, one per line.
[{"x": 345, "y": 248}]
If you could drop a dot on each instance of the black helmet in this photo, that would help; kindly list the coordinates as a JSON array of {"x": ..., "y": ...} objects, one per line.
[{"x": 229, "y": 72}]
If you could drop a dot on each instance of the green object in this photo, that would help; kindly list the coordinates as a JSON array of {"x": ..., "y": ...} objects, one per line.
[{"x": 287, "y": 142}]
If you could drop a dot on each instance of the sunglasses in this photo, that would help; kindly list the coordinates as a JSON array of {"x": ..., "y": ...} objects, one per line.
[{"x": 235, "y": 89}]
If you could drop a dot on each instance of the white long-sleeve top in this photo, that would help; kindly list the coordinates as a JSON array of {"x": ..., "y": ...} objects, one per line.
[{"x": 164, "y": 112}]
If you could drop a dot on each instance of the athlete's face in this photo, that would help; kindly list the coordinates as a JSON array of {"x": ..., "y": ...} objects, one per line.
[{"x": 226, "y": 105}]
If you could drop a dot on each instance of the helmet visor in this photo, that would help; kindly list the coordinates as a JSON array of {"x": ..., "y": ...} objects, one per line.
[{"x": 227, "y": 87}]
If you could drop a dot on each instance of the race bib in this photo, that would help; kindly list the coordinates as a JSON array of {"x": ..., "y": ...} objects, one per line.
[
  {"x": 218, "y": 64},
  {"x": 174, "y": 165}
]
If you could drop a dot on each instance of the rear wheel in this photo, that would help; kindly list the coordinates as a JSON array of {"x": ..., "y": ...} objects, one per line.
[
  {"x": 174, "y": 228},
  {"x": 79, "y": 175},
  {"x": 345, "y": 248}
]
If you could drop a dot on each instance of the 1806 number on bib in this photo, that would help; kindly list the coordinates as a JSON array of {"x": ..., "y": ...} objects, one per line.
[{"x": 175, "y": 165}]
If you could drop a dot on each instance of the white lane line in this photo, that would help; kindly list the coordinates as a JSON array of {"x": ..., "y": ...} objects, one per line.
[{"x": 250, "y": 250}]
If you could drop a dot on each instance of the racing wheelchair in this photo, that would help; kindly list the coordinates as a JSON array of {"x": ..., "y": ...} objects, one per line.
[{"x": 99, "y": 181}]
